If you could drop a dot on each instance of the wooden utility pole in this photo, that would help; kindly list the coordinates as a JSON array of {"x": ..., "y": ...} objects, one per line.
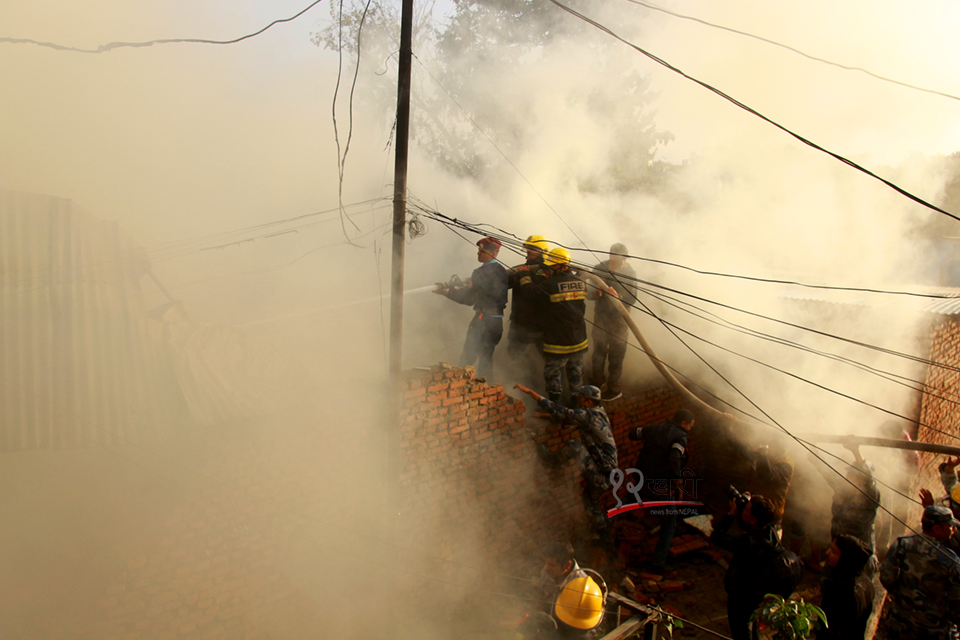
[
  {"x": 400, "y": 187},
  {"x": 399, "y": 242}
]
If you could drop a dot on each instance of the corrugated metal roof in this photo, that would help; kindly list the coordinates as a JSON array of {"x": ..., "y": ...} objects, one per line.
[
  {"x": 947, "y": 303},
  {"x": 78, "y": 363}
]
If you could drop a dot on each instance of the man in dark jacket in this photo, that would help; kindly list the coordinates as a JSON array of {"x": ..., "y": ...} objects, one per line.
[
  {"x": 855, "y": 500},
  {"x": 772, "y": 474},
  {"x": 609, "y": 328},
  {"x": 847, "y": 589},
  {"x": 753, "y": 552},
  {"x": 487, "y": 293},
  {"x": 525, "y": 321},
  {"x": 662, "y": 460}
]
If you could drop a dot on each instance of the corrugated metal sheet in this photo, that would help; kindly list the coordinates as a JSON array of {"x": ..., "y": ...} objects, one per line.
[
  {"x": 79, "y": 361},
  {"x": 82, "y": 361},
  {"x": 946, "y": 301}
]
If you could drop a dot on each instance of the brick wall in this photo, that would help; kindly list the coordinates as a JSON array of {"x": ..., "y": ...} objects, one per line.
[
  {"x": 469, "y": 469},
  {"x": 468, "y": 450},
  {"x": 940, "y": 414}
]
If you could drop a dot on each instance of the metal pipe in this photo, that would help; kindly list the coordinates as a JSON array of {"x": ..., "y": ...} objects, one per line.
[{"x": 888, "y": 443}]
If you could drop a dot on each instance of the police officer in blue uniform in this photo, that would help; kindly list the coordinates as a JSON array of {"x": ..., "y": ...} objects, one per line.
[
  {"x": 595, "y": 451},
  {"x": 487, "y": 293}
]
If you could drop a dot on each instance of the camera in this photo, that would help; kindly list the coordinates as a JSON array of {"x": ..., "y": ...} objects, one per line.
[{"x": 740, "y": 499}]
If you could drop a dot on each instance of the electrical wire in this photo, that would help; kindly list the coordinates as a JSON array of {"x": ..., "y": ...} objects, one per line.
[
  {"x": 149, "y": 43},
  {"x": 510, "y": 239},
  {"x": 786, "y": 432},
  {"x": 794, "y": 50},
  {"x": 889, "y": 376},
  {"x": 793, "y": 283},
  {"x": 653, "y": 260},
  {"x": 220, "y": 240},
  {"x": 952, "y": 296},
  {"x": 670, "y": 327},
  {"x": 769, "y": 422},
  {"x": 342, "y": 157},
  {"x": 750, "y": 110},
  {"x": 285, "y": 264}
]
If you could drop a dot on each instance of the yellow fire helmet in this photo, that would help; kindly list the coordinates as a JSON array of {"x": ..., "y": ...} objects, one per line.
[
  {"x": 557, "y": 255},
  {"x": 536, "y": 242},
  {"x": 955, "y": 494},
  {"x": 580, "y": 604}
]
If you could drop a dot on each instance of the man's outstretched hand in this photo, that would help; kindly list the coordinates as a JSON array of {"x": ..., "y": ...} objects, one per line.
[{"x": 527, "y": 390}]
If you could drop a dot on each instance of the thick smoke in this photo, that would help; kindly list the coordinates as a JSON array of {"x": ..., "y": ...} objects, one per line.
[{"x": 594, "y": 144}]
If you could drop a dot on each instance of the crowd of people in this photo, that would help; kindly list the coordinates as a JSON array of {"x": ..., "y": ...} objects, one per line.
[
  {"x": 919, "y": 576},
  {"x": 919, "y": 572}
]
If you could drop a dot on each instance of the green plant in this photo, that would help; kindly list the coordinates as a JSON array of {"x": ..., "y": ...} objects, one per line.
[
  {"x": 788, "y": 619},
  {"x": 668, "y": 622}
]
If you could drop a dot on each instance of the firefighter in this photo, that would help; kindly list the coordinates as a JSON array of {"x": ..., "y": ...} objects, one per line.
[
  {"x": 525, "y": 329},
  {"x": 560, "y": 295}
]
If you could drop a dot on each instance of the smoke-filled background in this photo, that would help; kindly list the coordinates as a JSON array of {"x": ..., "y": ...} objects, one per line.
[{"x": 525, "y": 118}]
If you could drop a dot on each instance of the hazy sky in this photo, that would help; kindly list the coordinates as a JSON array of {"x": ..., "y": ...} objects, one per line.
[{"x": 185, "y": 140}]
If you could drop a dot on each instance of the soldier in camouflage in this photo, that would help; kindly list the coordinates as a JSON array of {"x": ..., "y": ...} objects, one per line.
[
  {"x": 595, "y": 451},
  {"x": 922, "y": 578},
  {"x": 948, "y": 477}
]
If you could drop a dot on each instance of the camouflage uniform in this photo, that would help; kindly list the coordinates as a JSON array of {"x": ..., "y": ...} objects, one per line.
[
  {"x": 595, "y": 452},
  {"x": 949, "y": 481},
  {"x": 922, "y": 578}
]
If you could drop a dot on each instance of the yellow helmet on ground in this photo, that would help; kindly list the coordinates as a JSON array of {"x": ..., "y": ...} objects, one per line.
[
  {"x": 580, "y": 604},
  {"x": 955, "y": 494},
  {"x": 536, "y": 242},
  {"x": 558, "y": 255}
]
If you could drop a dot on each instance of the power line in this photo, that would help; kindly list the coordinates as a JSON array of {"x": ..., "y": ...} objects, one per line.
[
  {"x": 732, "y": 326},
  {"x": 794, "y": 50},
  {"x": 510, "y": 238},
  {"x": 342, "y": 158},
  {"x": 736, "y": 276},
  {"x": 791, "y": 435},
  {"x": 670, "y": 327},
  {"x": 794, "y": 283},
  {"x": 735, "y": 408},
  {"x": 220, "y": 240},
  {"x": 807, "y": 446},
  {"x": 149, "y": 43},
  {"x": 732, "y": 100}
]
